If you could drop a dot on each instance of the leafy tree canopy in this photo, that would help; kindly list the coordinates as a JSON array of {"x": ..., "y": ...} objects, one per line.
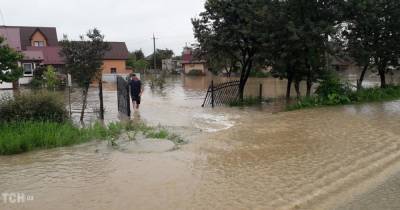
[{"x": 9, "y": 69}]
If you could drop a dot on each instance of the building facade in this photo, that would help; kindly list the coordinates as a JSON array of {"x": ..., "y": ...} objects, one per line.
[
  {"x": 40, "y": 47},
  {"x": 192, "y": 66}
]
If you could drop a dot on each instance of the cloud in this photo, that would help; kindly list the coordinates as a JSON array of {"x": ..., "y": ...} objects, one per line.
[{"x": 132, "y": 21}]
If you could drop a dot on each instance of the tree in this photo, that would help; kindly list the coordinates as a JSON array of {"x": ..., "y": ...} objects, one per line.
[
  {"x": 300, "y": 39},
  {"x": 83, "y": 60},
  {"x": 161, "y": 54},
  {"x": 9, "y": 69},
  {"x": 236, "y": 27},
  {"x": 135, "y": 56},
  {"x": 137, "y": 61},
  {"x": 373, "y": 35},
  {"x": 50, "y": 76},
  {"x": 141, "y": 65},
  {"x": 139, "y": 55}
]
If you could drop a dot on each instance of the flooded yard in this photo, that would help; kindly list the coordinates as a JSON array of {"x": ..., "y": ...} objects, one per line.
[{"x": 236, "y": 158}]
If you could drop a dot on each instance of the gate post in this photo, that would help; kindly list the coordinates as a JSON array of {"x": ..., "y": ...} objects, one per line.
[
  {"x": 212, "y": 93},
  {"x": 260, "y": 96},
  {"x": 118, "y": 85},
  {"x": 128, "y": 100}
]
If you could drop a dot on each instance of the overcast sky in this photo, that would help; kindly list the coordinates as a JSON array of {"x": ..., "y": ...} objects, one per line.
[{"x": 132, "y": 21}]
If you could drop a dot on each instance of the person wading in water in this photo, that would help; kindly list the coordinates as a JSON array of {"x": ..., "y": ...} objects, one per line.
[{"x": 136, "y": 90}]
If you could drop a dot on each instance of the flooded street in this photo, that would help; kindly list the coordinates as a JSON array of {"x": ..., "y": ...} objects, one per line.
[{"x": 236, "y": 158}]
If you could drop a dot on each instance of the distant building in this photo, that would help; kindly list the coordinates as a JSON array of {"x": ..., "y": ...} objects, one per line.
[
  {"x": 192, "y": 66},
  {"x": 114, "y": 60},
  {"x": 171, "y": 65},
  {"x": 343, "y": 63},
  {"x": 40, "y": 47}
]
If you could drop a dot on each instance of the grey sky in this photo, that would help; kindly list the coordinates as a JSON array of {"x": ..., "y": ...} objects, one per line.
[{"x": 132, "y": 21}]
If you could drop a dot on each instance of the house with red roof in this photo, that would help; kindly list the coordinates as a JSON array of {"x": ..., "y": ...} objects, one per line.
[
  {"x": 40, "y": 47},
  {"x": 191, "y": 65}
]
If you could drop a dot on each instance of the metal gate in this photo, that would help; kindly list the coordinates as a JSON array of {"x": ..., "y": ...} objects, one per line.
[
  {"x": 124, "y": 101},
  {"x": 223, "y": 93}
]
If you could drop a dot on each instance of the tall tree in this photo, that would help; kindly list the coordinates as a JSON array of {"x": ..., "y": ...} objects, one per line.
[
  {"x": 161, "y": 54},
  {"x": 300, "y": 36},
  {"x": 9, "y": 69},
  {"x": 83, "y": 60},
  {"x": 373, "y": 35},
  {"x": 139, "y": 55},
  {"x": 237, "y": 28},
  {"x": 137, "y": 61}
]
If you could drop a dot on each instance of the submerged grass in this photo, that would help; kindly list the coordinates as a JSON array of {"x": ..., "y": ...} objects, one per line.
[{"x": 352, "y": 97}]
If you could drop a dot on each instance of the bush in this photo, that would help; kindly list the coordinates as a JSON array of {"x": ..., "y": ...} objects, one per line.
[
  {"x": 36, "y": 83},
  {"x": 50, "y": 76},
  {"x": 33, "y": 106},
  {"x": 340, "y": 94},
  {"x": 332, "y": 86}
]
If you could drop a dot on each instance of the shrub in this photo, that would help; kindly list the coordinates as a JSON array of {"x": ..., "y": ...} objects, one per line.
[
  {"x": 50, "y": 76},
  {"x": 33, "y": 106},
  {"x": 36, "y": 83},
  {"x": 340, "y": 97},
  {"x": 332, "y": 86}
]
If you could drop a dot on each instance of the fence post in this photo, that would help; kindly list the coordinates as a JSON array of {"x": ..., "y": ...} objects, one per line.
[
  {"x": 261, "y": 92},
  {"x": 118, "y": 100},
  {"x": 212, "y": 93},
  {"x": 128, "y": 100}
]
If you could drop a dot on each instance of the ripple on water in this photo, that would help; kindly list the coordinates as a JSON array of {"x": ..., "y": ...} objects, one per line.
[{"x": 213, "y": 122}]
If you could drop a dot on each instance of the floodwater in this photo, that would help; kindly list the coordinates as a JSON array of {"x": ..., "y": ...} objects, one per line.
[{"x": 249, "y": 158}]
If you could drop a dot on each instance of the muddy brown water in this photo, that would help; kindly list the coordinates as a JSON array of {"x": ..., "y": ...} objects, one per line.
[{"x": 250, "y": 158}]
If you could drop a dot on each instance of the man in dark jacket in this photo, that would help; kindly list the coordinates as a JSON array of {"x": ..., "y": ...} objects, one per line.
[{"x": 136, "y": 90}]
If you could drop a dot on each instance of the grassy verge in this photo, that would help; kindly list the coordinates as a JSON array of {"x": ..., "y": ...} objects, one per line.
[
  {"x": 351, "y": 97},
  {"x": 20, "y": 137}
]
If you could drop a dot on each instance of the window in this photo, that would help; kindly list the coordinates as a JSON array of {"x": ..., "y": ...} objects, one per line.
[
  {"x": 38, "y": 43},
  {"x": 113, "y": 70},
  {"x": 28, "y": 69}
]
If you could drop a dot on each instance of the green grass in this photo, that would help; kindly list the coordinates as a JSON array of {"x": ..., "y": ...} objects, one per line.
[
  {"x": 354, "y": 97},
  {"x": 20, "y": 137},
  {"x": 158, "y": 134}
]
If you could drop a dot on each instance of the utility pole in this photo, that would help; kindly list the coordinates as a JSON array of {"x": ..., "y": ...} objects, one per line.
[{"x": 154, "y": 53}]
